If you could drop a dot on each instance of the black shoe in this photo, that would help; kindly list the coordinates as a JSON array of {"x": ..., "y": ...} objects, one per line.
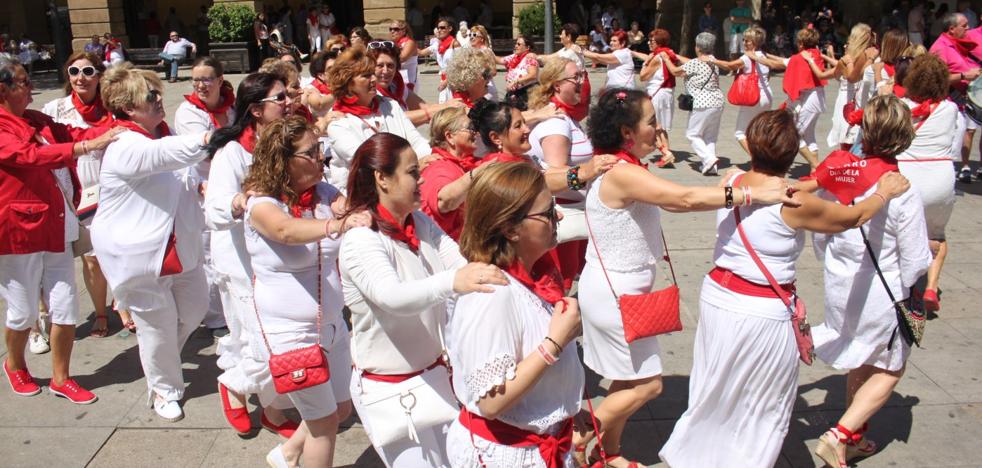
[
  {"x": 965, "y": 175},
  {"x": 218, "y": 332}
]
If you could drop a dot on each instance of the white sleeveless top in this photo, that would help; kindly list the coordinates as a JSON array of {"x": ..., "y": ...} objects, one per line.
[
  {"x": 934, "y": 139},
  {"x": 581, "y": 150},
  {"x": 628, "y": 238},
  {"x": 657, "y": 80},
  {"x": 408, "y": 70}
]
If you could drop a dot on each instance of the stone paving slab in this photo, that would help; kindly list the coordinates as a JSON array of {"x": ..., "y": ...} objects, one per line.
[{"x": 933, "y": 419}]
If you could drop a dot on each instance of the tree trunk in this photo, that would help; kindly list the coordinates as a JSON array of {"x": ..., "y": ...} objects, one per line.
[{"x": 686, "y": 37}]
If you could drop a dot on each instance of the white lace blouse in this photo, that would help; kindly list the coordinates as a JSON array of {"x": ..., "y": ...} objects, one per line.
[{"x": 489, "y": 334}]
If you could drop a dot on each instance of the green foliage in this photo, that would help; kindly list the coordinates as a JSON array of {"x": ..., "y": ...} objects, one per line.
[
  {"x": 532, "y": 20},
  {"x": 230, "y": 22}
]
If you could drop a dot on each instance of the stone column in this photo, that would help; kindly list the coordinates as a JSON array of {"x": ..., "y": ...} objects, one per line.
[
  {"x": 90, "y": 17},
  {"x": 378, "y": 14},
  {"x": 516, "y": 7}
]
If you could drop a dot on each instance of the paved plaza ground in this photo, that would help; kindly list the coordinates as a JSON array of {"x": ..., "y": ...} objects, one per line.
[{"x": 933, "y": 419}]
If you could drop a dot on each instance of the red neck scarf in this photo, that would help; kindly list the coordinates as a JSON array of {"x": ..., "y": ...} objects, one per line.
[
  {"x": 464, "y": 98},
  {"x": 622, "y": 155},
  {"x": 312, "y": 18},
  {"x": 798, "y": 76},
  {"x": 848, "y": 176},
  {"x": 576, "y": 113},
  {"x": 963, "y": 46},
  {"x": 349, "y": 105},
  {"x": 95, "y": 115},
  {"x": 466, "y": 162},
  {"x": 898, "y": 90},
  {"x": 400, "y": 233},
  {"x": 307, "y": 200},
  {"x": 248, "y": 138},
  {"x": 162, "y": 129},
  {"x": 668, "y": 76},
  {"x": 304, "y": 112},
  {"x": 922, "y": 111},
  {"x": 397, "y": 93},
  {"x": 224, "y": 104},
  {"x": 445, "y": 44},
  {"x": 515, "y": 61},
  {"x": 544, "y": 280},
  {"x": 321, "y": 86},
  {"x": 503, "y": 158}
]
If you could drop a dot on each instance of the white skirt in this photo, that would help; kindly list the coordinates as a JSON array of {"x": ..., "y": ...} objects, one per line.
[
  {"x": 935, "y": 182},
  {"x": 463, "y": 450},
  {"x": 742, "y": 387},
  {"x": 604, "y": 348}
]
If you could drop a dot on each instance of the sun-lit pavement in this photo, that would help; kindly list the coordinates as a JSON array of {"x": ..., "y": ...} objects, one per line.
[{"x": 933, "y": 419}]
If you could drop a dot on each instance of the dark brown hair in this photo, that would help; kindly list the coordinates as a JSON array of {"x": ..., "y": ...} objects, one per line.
[
  {"x": 379, "y": 153},
  {"x": 927, "y": 78},
  {"x": 96, "y": 62},
  {"x": 773, "y": 141},
  {"x": 275, "y": 146}
]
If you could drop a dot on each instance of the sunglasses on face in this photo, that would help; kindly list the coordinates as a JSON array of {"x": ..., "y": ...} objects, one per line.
[
  {"x": 87, "y": 70},
  {"x": 337, "y": 49},
  {"x": 381, "y": 45},
  {"x": 277, "y": 98},
  {"x": 394, "y": 29},
  {"x": 550, "y": 215},
  {"x": 443, "y": 27},
  {"x": 203, "y": 81},
  {"x": 153, "y": 96},
  {"x": 313, "y": 154}
]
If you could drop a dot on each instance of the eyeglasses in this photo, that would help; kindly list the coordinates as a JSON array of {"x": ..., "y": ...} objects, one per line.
[
  {"x": 470, "y": 131},
  {"x": 486, "y": 75},
  {"x": 87, "y": 70},
  {"x": 203, "y": 81},
  {"x": 443, "y": 27},
  {"x": 551, "y": 214},
  {"x": 578, "y": 79},
  {"x": 277, "y": 98},
  {"x": 26, "y": 82},
  {"x": 313, "y": 154},
  {"x": 381, "y": 45},
  {"x": 153, "y": 96}
]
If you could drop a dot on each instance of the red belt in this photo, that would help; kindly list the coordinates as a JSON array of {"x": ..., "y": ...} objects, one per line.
[
  {"x": 553, "y": 449},
  {"x": 396, "y": 378},
  {"x": 731, "y": 281},
  {"x": 567, "y": 201}
]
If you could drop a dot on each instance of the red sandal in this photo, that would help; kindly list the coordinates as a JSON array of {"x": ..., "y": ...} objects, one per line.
[
  {"x": 932, "y": 303},
  {"x": 828, "y": 445},
  {"x": 859, "y": 446}
]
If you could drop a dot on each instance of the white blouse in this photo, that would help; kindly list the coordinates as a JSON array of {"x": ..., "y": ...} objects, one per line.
[
  {"x": 145, "y": 196},
  {"x": 348, "y": 133},
  {"x": 581, "y": 150},
  {"x": 763, "y": 74},
  {"x": 189, "y": 119},
  {"x": 489, "y": 334},
  {"x": 87, "y": 165},
  {"x": 398, "y": 298},
  {"x": 229, "y": 168},
  {"x": 622, "y": 74},
  {"x": 935, "y": 138}
]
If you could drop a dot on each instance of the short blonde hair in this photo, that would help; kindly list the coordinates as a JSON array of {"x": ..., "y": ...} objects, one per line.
[
  {"x": 807, "y": 38},
  {"x": 450, "y": 119},
  {"x": 124, "y": 87},
  {"x": 477, "y": 28},
  {"x": 466, "y": 67},
  {"x": 756, "y": 35},
  {"x": 351, "y": 63},
  {"x": 283, "y": 70},
  {"x": 549, "y": 75},
  {"x": 887, "y": 128}
]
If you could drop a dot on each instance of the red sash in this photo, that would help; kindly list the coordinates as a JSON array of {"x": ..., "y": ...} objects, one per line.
[
  {"x": 798, "y": 76},
  {"x": 248, "y": 139},
  {"x": 466, "y": 162},
  {"x": 163, "y": 129},
  {"x": 544, "y": 280},
  {"x": 406, "y": 234},
  {"x": 400, "y": 90},
  {"x": 321, "y": 86},
  {"x": 553, "y": 449},
  {"x": 669, "y": 78},
  {"x": 445, "y": 44}
]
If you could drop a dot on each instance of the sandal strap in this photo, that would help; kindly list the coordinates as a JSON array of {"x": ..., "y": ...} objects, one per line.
[{"x": 847, "y": 436}]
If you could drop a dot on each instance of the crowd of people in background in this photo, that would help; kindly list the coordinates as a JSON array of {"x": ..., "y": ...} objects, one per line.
[{"x": 349, "y": 260}]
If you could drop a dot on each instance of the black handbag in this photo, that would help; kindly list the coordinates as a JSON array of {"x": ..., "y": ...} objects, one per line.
[
  {"x": 910, "y": 319},
  {"x": 685, "y": 101}
]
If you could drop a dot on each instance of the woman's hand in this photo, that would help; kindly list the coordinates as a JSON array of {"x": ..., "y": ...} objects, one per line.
[
  {"x": 598, "y": 165},
  {"x": 356, "y": 219},
  {"x": 474, "y": 277},
  {"x": 808, "y": 58},
  {"x": 565, "y": 324},
  {"x": 771, "y": 191},
  {"x": 102, "y": 141},
  {"x": 427, "y": 160},
  {"x": 872, "y": 53},
  {"x": 892, "y": 185}
]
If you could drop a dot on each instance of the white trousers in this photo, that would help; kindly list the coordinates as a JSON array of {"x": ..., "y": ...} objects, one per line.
[
  {"x": 664, "y": 103},
  {"x": 215, "y": 316},
  {"x": 747, "y": 113},
  {"x": 25, "y": 277},
  {"x": 809, "y": 107},
  {"x": 236, "y": 295},
  {"x": 703, "y": 131},
  {"x": 162, "y": 331}
]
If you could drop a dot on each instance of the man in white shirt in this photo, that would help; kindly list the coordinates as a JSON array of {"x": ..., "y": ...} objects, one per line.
[{"x": 174, "y": 51}]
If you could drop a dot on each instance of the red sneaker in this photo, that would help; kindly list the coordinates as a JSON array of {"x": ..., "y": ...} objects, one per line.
[
  {"x": 21, "y": 381},
  {"x": 285, "y": 430},
  {"x": 238, "y": 418},
  {"x": 73, "y": 392}
]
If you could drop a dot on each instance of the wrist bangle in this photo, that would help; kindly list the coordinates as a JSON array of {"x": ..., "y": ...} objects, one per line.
[
  {"x": 548, "y": 358},
  {"x": 573, "y": 178},
  {"x": 877, "y": 194},
  {"x": 728, "y": 193},
  {"x": 85, "y": 149},
  {"x": 559, "y": 349}
]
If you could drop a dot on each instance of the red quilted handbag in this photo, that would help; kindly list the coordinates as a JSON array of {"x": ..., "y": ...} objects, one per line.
[
  {"x": 302, "y": 367},
  {"x": 648, "y": 314},
  {"x": 745, "y": 90}
]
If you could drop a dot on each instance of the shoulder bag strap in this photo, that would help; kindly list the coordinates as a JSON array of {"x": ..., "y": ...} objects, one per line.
[
  {"x": 876, "y": 264},
  {"x": 753, "y": 254}
]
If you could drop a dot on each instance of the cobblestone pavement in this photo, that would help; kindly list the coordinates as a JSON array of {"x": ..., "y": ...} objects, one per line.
[{"x": 934, "y": 418}]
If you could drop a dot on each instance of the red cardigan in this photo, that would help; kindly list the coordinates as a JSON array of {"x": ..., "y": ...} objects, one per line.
[{"x": 32, "y": 214}]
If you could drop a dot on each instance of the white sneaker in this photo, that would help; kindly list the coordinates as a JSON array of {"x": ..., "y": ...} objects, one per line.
[
  {"x": 709, "y": 167},
  {"x": 168, "y": 410},
  {"x": 37, "y": 343},
  {"x": 276, "y": 459}
]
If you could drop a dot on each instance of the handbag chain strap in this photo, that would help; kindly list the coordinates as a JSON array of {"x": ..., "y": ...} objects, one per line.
[
  {"x": 320, "y": 311},
  {"x": 753, "y": 254},
  {"x": 596, "y": 249}
]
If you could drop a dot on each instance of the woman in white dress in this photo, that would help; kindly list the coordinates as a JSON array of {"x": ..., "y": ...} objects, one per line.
[
  {"x": 753, "y": 40},
  {"x": 82, "y": 107},
  {"x": 849, "y": 71},
  {"x": 514, "y": 369},
  {"x": 314, "y": 30},
  {"x": 261, "y": 100},
  {"x": 396, "y": 276},
  {"x": 623, "y": 210},
  {"x": 702, "y": 83},
  {"x": 147, "y": 231},
  {"x": 292, "y": 235},
  {"x": 620, "y": 62},
  {"x": 442, "y": 47},
  {"x": 660, "y": 86},
  {"x": 745, "y": 371},
  {"x": 927, "y": 163},
  {"x": 352, "y": 79},
  {"x": 860, "y": 330},
  {"x": 408, "y": 51}
]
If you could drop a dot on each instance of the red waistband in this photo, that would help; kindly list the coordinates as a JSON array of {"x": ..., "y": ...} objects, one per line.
[
  {"x": 737, "y": 284},
  {"x": 553, "y": 449},
  {"x": 396, "y": 378},
  {"x": 567, "y": 201}
]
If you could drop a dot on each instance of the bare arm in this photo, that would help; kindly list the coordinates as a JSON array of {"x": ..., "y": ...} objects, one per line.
[
  {"x": 606, "y": 59},
  {"x": 730, "y": 65},
  {"x": 651, "y": 65},
  {"x": 672, "y": 68},
  {"x": 278, "y": 226},
  {"x": 407, "y": 51}
]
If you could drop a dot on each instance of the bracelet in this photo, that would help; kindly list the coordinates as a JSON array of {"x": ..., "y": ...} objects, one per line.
[
  {"x": 470, "y": 176},
  {"x": 728, "y": 193},
  {"x": 558, "y": 348},
  {"x": 877, "y": 194},
  {"x": 746, "y": 195},
  {"x": 573, "y": 178},
  {"x": 548, "y": 358}
]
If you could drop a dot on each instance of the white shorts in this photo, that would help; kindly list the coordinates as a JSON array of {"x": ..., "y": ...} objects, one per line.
[{"x": 25, "y": 277}]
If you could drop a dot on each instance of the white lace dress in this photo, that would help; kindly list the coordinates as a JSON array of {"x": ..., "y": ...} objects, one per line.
[
  {"x": 488, "y": 335},
  {"x": 630, "y": 243}
]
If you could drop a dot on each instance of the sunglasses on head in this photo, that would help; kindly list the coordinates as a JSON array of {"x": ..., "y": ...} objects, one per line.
[
  {"x": 381, "y": 45},
  {"x": 87, "y": 70},
  {"x": 279, "y": 97}
]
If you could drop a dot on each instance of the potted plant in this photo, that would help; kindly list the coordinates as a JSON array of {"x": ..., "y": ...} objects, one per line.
[
  {"x": 532, "y": 23},
  {"x": 230, "y": 34}
]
